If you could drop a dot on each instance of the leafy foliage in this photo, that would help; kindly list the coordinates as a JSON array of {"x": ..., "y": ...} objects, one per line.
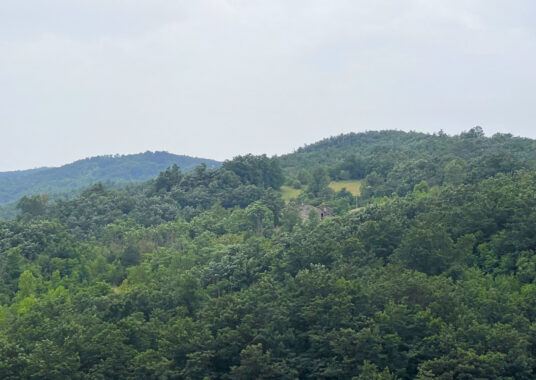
[
  {"x": 208, "y": 274},
  {"x": 395, "y": 161}
]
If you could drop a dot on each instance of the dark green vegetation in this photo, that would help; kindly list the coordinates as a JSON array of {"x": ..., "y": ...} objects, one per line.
[
  {"x": 80, "y": 174},
  {"x": 395, "y": 161},
  {"x": 209, "y": 274}
]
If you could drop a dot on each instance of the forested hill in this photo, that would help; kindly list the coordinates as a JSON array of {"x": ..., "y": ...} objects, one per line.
[
  {"x": 82, "y": 173},
  {"x": 210, "y": 274},
  {"x": 399, "y": 145},
  {"x": 395, "y": 161}
]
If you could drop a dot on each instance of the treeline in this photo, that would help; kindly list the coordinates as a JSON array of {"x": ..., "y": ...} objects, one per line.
[
  {"x": 394, "y": 161},
  {"x": 189, "y": 277},
  {"x": 173, "y": 194},
  {"x": 70, "y": 179}
]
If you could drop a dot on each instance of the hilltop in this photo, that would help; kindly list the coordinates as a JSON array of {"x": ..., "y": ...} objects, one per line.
[
  {"x": 112, "y": 169},
  {"x": 395, "y": 161}
]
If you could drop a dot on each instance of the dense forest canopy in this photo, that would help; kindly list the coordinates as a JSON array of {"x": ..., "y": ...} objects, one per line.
[
  {"x": 395, "y": 161},
  {"x": 209, "y": 274}
]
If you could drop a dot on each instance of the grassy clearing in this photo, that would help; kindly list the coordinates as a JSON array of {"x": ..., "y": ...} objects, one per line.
[
  {"x": 353, "y": 186},
  {"x": 288, "y": 192}
]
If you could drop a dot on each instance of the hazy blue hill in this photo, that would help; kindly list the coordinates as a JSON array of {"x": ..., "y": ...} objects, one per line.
[{"x": 80, "y": 174}]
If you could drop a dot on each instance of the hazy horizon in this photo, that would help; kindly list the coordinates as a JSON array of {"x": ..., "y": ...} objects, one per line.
[{"x": 217, "y": 78}]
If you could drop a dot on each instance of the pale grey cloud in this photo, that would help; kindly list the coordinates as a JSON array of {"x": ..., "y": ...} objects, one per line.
[{"x": 218, "y": 78}]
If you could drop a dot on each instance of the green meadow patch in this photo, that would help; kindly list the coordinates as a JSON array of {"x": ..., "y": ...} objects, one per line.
[
  {"x": 288, "y": 192},
  {"x": 353, "y": 186}
]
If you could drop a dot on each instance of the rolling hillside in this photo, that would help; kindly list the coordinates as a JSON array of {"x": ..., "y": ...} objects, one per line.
[
  {"x": 210, "y": 274},
  {"x": 389, "y": 147},
  {"x": 82, "y": 173},
  {"x": 394, "y": 161}
]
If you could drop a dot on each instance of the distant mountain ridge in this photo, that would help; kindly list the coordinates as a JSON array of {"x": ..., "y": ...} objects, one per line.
[{"x": 116, "y": 169}]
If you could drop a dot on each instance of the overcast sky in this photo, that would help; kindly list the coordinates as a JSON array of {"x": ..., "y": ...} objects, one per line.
[{"x": 219, "y": 78}]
